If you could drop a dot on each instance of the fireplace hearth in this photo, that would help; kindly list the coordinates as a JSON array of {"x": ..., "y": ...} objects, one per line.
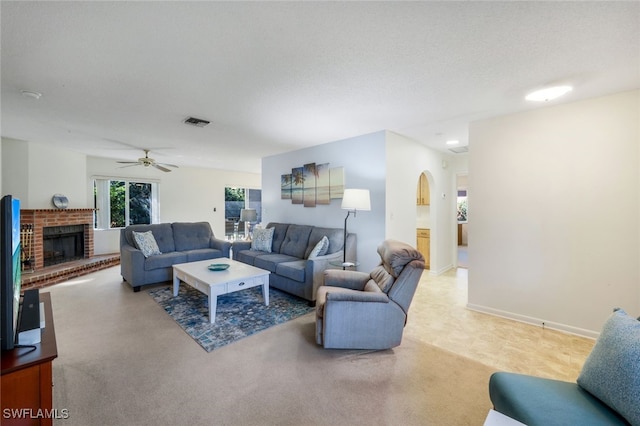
[{"x": 69, "y": 221}]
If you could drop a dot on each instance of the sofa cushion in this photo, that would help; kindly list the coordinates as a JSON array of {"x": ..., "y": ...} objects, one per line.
[
  {"x": 319, "y": 249},
  {"x": 164, "y": 260},
  {"x": 162, "y": 232},
  {"x": 334, "y": 235},
  {"x": 262, "y": 239},
  {"x": 294, "y": 270},
  {"x": 270, "y": 261},
  {"x": 248, "y": 256},
  {"x": 612, "y": 369},
  {"x": 296, "y": 241},
  {"x": 146, "y": 243},
  {"x": 202, "y": 254},
  {"x": 279, "y": 232},
  {"x": 540, "y": 401},
  {"x": 190, "y": 236}
]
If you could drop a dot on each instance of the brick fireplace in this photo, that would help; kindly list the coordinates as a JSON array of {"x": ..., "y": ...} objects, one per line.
[{"x": 60, "y": 219}]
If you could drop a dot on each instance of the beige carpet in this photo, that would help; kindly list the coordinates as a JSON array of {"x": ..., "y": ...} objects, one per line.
[{"x": 124, "y": 361}]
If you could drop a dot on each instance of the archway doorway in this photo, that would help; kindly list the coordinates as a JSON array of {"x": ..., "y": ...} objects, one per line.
[
  {"x": 462, "y": 221},
  {"x": 424, "y": 222}
]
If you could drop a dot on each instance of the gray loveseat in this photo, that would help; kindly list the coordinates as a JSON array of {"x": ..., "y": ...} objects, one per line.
[
  {"x": 291, "y": 268},
  {"x": 178, "y": 242}
]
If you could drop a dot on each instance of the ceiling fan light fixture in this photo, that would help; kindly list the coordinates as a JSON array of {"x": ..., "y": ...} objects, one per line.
[{"x": 549, "y": 93}]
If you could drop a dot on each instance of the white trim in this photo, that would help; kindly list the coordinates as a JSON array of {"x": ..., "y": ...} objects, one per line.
[
  {"x": 534, "y": 321},
  {"x": 127, "y": 179},
  {"x": 441, "y": 270}
]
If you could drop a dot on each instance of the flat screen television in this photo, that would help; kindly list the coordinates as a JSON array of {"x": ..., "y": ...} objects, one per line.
[{"x": 10, "y": 270}]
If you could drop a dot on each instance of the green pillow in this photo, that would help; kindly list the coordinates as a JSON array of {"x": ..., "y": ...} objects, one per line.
[{"x": 612, "y": 370}]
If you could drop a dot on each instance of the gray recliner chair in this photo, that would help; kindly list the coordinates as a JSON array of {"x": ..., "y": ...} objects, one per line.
[{"x": 358, "y": 310}]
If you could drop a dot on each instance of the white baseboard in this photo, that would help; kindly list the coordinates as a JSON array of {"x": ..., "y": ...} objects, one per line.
[
  {"x": 441, "y": 270},
  {"x": 534, "y": 321}
]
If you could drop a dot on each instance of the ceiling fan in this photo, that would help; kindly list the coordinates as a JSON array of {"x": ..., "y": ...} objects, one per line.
[{"x": 148, "y": 162}]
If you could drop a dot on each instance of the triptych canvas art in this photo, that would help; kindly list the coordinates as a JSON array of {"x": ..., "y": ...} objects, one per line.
[{"x": 312, "y": 184}]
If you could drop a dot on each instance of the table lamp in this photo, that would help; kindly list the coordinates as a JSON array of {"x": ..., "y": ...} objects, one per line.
[
  {"x": 353, "y": 200},
  {"x": 248, "y": 216}
]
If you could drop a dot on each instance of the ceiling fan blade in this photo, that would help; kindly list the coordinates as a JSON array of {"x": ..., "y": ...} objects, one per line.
[
  {"x": 130, "y": 165},
  {"x": 128, "y": 162},
  {"x": 168, "y": 165},
  {"x": 159, "y": 167}
]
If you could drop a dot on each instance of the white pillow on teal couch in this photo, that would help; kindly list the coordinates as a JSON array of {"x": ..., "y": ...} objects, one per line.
[
  {"x": 146, "y": 243},
  {"x": 262, "y": 239},
  {"x": 612, "y": 370}
]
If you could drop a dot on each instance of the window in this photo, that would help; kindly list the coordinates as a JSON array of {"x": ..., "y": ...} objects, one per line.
[
  {"x": 121, "y": 202},
  {"x": 236, "y": 199},
  {"x": 462, "y": 206}
]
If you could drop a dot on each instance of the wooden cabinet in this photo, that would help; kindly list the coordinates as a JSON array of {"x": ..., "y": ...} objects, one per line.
[
  {"x": 26, "y": 387},
  {"x": 422, "y": 195},
  {"x": 423, "y": 245}
]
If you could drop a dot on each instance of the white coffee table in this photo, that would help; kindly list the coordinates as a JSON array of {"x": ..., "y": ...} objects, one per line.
[{"x": 239, "y": 276}]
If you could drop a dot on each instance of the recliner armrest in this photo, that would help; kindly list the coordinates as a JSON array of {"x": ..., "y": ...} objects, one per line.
[
  {"x": 354, "y": 280},
  {"x": 357, "y": 296}
]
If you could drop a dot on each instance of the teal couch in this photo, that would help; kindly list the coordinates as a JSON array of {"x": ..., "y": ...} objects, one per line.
[{"x": 607, "y": 391}]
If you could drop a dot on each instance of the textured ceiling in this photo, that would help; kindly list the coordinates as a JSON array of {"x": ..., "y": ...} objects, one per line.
[{"x": 278, "y": 76}]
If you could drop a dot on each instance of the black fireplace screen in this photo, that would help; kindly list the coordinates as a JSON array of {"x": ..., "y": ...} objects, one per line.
[{"x": 63, "y": 244}]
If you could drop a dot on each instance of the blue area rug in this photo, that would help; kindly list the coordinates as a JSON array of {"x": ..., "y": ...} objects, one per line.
[{"x": 239, "y": 314}]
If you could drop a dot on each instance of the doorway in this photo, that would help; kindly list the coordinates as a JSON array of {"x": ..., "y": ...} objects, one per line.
[
  {"x": 462, "y": 221},
  {"x": 423, "y": 218}
]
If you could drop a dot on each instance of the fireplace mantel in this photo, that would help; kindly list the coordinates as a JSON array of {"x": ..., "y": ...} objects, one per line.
[{"x": 42, "y": 218}]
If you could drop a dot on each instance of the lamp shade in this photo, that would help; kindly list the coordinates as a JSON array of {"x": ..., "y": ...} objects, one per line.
[
  {"x": 248, "y": 215},
  {"x": 356, "y": 199}
]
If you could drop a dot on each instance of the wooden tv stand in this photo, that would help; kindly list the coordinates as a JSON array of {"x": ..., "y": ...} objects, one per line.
[{"x": 26, "y": 387}]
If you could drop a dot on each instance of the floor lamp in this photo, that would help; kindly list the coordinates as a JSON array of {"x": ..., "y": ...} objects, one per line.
[
  {"x": 353, "y": 200},
  {"x": 248, "y": 216}
]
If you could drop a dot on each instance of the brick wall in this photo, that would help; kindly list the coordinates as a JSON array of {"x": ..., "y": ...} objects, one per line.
[{"x": 41, "y": 218}]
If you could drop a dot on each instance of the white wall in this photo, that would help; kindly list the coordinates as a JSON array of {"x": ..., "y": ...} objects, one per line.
[
  {"x": 34, "y": 172},
  {"x": 386, "y": 163},
  {"x": 554, "y": 236},
  {"x": 187, "y": 194},
  {"x": 364, "y": 167},
  {"x": 406, "y": 159}
]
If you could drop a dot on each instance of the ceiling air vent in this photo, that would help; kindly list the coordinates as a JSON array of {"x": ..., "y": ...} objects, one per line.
[
  {"x": 460, "y": 149},
  {"x": 196, "y": 122}
]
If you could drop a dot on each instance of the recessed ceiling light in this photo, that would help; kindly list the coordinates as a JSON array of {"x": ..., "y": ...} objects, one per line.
[
  {"x": 548, "y": 94},
  {"x": 453, "y": 142},
  {"x": 31, "y": 94}
]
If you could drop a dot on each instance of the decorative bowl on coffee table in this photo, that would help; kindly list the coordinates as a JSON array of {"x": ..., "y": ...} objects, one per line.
[{"x": 218, "y": 266}]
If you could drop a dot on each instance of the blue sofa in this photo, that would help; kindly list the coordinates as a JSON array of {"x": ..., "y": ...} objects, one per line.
[
  {"x": 607, "y": 391},
  {"x": 178, "y": 242},
  {"x": 292, "y": 270}
]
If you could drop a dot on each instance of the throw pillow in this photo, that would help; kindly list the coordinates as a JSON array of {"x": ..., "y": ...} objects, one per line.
[
  {"x": 320, "y": 249},
  {"x": 612, "y": 370},
  {"x": 146, "y": 243},
  {"x": 262, "y": 239}
]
